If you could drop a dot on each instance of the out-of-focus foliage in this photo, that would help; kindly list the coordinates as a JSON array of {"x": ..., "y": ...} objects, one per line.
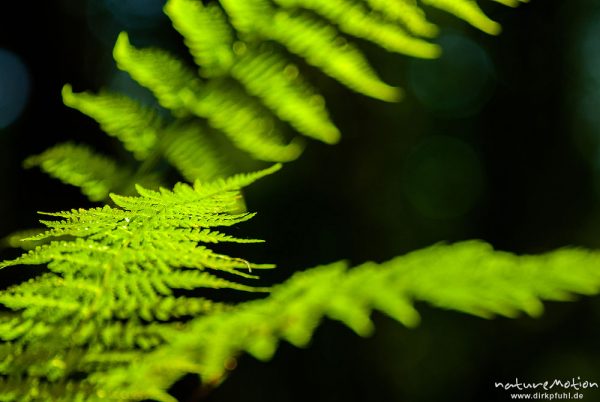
[{"x": 248, "y": 87}]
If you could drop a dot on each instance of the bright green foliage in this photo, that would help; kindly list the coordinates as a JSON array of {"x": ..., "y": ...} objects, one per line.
[
  {"x": 407, "y": 14},
  {"x": 207, "y": 34},
  {"x": 96, "y": 175},
  {"x": 244, "y": 121},
  {"x": 222, "y": 104},
  {"x": 269, "y": 76},
  {"x": 165, "y": 75},
  {"x": 78, "y": 165},
  {"x": 469, "y": 11},
  {"x": 357, "y": 20},
  {"x": 119, "y": 313},
  {"x": 247, "y": 87},
  {"x": 114, "y": 285},
  {"x": 16, "y": 239},
  {"x": 476, "y": 280},
  {"x": 119, "y": 116},
  {"x": 188, "y": 147}
]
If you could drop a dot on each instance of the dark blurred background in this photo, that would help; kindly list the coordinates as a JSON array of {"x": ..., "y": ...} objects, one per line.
[{"x": 497, "y": 140}]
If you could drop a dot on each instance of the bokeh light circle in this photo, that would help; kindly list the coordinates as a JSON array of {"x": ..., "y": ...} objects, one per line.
[
  {"x": 14, "y": 87},
  {"x": 443, "y": 178},
  {"x": 458, "y": 83}
]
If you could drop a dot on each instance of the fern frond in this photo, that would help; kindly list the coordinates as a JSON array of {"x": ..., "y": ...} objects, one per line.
[
  {"x": 272, "y": 78},
  {"x": 407, "y": 13},
  {"x": 245, "y": 16},
  {"x": 110, "y": 289},
  {"x": 21, "y": 239},
  {"x": 24, "y": 390},
  {"x": 263, "y": 73},
  {"x": 469, "y": 11},
  {"x": 250, "y": 86},
  {"x": 119, "y": 116},
  {"x": 79, "y": 166},
  {"x": 476, "y": 280},
  {"x": 190, "y": 150},
  {"x": 206, "y": 33},
  {"x": 321, "y": 46},
  {"x": 354, "y": 19},
  {"x": 224, "y": 106},
  {"x": 233, "y": 183},
  {"x": 246, "y": 124},
  {"x": 318, "y": 43},
  {"x": 165, "y": 75},
  {"x": 511, "y": 3}
]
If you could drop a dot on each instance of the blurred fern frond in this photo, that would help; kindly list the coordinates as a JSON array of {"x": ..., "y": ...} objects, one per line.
[
  {"x": 469, "y": 277},
  {"x": 78, "y": 165},
  {"x": 248, "y": 85}
]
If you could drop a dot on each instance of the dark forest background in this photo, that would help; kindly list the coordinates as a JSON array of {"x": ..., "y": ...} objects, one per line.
[{"x": 498, "y": 140}]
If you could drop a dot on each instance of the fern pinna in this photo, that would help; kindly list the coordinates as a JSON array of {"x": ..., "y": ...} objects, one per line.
[{"x": 247, "y": 87}]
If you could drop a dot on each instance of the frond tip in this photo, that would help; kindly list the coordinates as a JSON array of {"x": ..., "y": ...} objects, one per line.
[
  {"x": 79, "y": 166},
  {"x": 119, "y": 281},
  {"x": 119, "y": 116}
]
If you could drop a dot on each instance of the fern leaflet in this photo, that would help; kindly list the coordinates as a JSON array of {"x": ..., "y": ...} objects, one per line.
[
  {"x": 78, "y": 165},
  {"x": 119, "y": 116}
]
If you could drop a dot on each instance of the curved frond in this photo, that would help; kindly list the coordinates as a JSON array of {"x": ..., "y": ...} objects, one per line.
[
  {"x": 119, "y": 116},
  {"x": 317, "y": 42},
  {"x": 79, "y": 166},
  {"x": 21, "y": 239},
  {"x": 477, "y": 280},
  {"x": 469, "y": 11},
  {"x": 407, "y": 13},
  {"x": 250, "y": 128},
  {"x": 357, "y": 20},
  {"x": 250, "y": 84},
  {"x": 246, "y": 16},
  {"x": 272, "y": 78},
  {"x": 206, "y": 33},
  {"x": 190, "y": 150},
  {"x": 321, "y": 46},
  {"x": 165, "y": 75}
]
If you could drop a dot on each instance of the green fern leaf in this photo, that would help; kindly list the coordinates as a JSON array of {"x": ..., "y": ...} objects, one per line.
[
  {"x": 469, "y": 11},
  {"x": 321, "y": 46},
  {"x": 206, "y": 32},
  {"x": 511, "y": 3},
  {"x": 224, "y": 106},
  {"x": 262, "y": 72},
  {"x": 119, "y": 116},
  {"x": 356, "y": 20},
  {"x": 407, "y": 13},
  {"x": 79, "y": 166},
  {"x": 155, "y": 69},
  {"x": 22, "y": 390},
  {"x": 109, "y": 291},
  {"x": 190, "y": 150},
  {"x": 246, "y": 124},
  {"x": 313, "y": 40},
  {"x": 272, "y": 78},
  {"x": 20, "y": 239},
  {"x": 477, "y": 280},
  {"x": 229, "y": 47}
]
